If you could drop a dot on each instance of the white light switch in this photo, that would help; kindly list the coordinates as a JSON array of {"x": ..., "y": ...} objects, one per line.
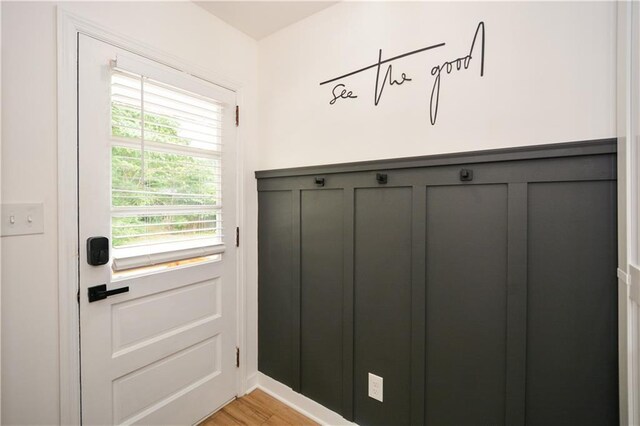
[{"x": 22, "y": 219}]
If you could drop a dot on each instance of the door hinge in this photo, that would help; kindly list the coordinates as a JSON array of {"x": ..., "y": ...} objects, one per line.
[
  {"x": 237, "y": 115},
  {"x": 237, "y": 236},
  {"x": 78, "y": 296},
  {"x": 237, "y": 357}
]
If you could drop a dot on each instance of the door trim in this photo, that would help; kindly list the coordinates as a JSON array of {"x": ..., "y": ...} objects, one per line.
[{"x": 69, "y": 26}]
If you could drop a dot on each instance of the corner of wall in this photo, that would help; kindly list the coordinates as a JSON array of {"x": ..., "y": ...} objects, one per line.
[{"x": 299, "y": 402}]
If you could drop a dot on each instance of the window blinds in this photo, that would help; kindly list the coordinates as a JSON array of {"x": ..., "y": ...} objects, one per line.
[{"x": 166, "y": 162}]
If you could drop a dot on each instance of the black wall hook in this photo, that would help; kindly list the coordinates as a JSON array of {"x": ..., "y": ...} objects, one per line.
[
  {"x": 381, "y": 178},
  {"x": 466, "y": 175}
]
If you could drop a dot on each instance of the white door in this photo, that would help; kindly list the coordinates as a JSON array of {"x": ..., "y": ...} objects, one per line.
[{"x": 157, "y": 178}]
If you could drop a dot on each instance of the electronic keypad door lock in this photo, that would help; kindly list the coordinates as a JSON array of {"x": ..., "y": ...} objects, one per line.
[{"x": 97, "y": 251}]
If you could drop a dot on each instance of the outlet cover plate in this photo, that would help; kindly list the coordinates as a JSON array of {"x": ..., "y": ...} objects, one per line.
[{"x": 375, "y": 387}]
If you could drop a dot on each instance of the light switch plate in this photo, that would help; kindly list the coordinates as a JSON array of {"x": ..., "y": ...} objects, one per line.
[{"x": 22, "y": 219}]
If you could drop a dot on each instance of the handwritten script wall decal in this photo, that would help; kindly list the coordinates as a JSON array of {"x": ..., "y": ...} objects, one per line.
[{"x": 340, "y": 90}]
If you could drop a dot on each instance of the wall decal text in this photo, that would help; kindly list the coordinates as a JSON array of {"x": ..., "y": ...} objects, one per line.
[
  {"x": 340, "y": 90},
  {"x": 344, "y": 94}
]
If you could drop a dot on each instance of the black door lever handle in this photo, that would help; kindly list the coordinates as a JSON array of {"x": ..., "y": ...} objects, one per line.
[{"x": 100, "y": 292}]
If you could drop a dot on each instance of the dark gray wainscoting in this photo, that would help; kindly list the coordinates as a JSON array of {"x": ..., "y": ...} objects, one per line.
[
  {"x": 490, "y": 301},
  {"x": 321, "y": 284}
]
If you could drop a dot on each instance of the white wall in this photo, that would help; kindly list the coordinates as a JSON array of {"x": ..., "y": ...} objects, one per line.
[
  {"x": 29, "y": 306},
  {"x": 549, "y": 77},
  {"x": 30, "y": 378}
]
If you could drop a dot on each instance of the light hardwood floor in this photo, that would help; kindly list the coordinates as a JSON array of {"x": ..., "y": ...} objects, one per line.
[{"x": 256, "y": 409}]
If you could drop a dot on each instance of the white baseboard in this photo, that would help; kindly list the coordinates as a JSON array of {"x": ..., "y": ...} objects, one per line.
[
  {"x": 299, "y": 402},
  {"x": 251, "y": 383}
]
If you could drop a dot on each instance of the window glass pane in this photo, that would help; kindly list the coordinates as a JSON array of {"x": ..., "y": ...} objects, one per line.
[
  {"x": 173, "y": 179},
  {"x": 126, "y": 173},
  {"x": 146, "y": 229},
  {"x": 169, "y": 179}
]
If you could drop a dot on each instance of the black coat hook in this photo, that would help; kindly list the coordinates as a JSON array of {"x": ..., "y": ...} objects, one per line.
[
  {"x": 381, "y": 178},
  {"x": 466, "y": 175}
]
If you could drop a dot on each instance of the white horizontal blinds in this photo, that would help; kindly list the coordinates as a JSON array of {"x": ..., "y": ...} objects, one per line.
[{"x": 166, "y": 192}]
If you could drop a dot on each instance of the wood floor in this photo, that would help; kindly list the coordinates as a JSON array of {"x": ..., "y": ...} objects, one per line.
[{"x": 255, "y": 409}]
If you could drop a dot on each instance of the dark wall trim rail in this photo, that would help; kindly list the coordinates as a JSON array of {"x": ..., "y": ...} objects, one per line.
[
  {"x": 481, "y": 286},
  {"x": 566, "y": 149}
]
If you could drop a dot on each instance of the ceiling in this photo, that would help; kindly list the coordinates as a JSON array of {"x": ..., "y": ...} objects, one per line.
[{"x": 258, "y": 19}]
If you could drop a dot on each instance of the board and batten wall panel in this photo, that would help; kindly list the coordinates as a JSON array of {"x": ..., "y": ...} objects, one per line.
[
  {"x": 275, "y": 286},
  {"x": 489, "y": 301},
  {"x": 572, "y": 314},
  {"x": 382, "y": 329},
  {"x": 466, "y": 260},
  {"x": 321, "y": 305}
]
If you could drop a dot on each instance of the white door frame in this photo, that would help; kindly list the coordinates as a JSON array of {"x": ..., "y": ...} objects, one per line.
[
  {"x": 628, "y": 132},
  {"x": 69, "y": 26}
]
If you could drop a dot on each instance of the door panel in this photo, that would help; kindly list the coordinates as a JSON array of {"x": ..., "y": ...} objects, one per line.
[
  {"x": 163, "y": 321},
  {"x": 132, "y": 395},
  {"x": 163, "y": 352}
]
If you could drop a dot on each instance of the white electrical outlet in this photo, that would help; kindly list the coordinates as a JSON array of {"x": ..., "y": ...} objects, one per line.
[{"x": 375, "y": 387}]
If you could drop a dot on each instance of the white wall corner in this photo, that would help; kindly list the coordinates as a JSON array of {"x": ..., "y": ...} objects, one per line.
[
  {"x": 251, "y": 383},
  {"x": 299, "y": 402}
]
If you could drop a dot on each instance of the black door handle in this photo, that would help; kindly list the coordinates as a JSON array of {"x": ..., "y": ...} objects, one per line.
[{"x": 100, "y": 292}]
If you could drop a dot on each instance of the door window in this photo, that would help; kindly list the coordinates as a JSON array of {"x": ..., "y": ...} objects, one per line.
[{"x": 166, "y": 188}]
